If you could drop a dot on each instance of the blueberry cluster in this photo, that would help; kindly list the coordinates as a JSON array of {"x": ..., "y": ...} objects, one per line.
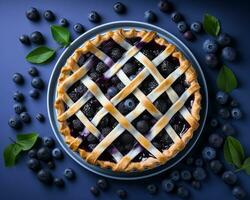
[
  {"x": 42, "y": 161},
  {"x": 19, "y": 108}
]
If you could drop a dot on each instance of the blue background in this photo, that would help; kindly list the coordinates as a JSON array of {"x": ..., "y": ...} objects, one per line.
[{"x": 19, "y": 182}]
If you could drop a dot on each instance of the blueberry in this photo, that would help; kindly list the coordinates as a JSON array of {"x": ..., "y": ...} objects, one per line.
[
  {"x": 44, "y": 176},
  {"x": 112, "y": 91},
  {"x": 69, "y": 173},
  {"x": 182, "y": 26},
  {"x": 229, "y": 177},
  {"x": 208, "y": 153},
  {"x": 18, "y": 96},
  {"x": 236, "y": 113},
  {"x": 199, "y": 174},
  {"x": 15, "y": 123},
  {"x": 33, "y": 71},
  {"x": 119, "y": 8},
  {"x": 94, "y": 190},
  {"x": 34, "y": 93},
  {"x": 57, "y": 153},
  {"x": 196, "y": 184},
  {"x": 229, "y": 53},
  {"x": 33, "y": 164},
  {"x": 228, "y": 129},
  {"x": 94, "y": 17},
  {"x": 224, "y": 39},
  {"x": 102, "y": 184},
  {"x": 115, "y": 54},
  {"x": 121, "y": 193},
  {"x": 224, "y": 113},
  {"x": 150, "y": 16},
  {"x": 129, "y": 69},
  {"x": 49, "y": 15},
  {"x": 152, "y": 189},
  {"x": 198, "y": 162},
  {"x": 211, "y": 60},
  {"x": 129, "y": 104},
  {"x": 161, "y": 105},
  {"x": 176, "y": 17},
  {"x": 24, "y": 39},
  {"x": 210, "y": 46},
  {"x": 32, "y": 153},
  {"x": 18, "y": 108},
  {"x": 215, "y": 140},
  {"x": 186, "y": 175},
  {"x": 64, "y": 22},
  {"x": 165, "y": 6},
  {"x": 142, "y": 126},
  {"x": 40, "y": 117},
  {"x": 196, "y": 27},
  {"x": 59, "y": 182},
  {"x": 36, "y": 37},
  {"x": 101, "y": 67},
  {"x": 78, "y": 28},
  {"x": 188, "y": 35},
  {"x": 216, "y": 166},
  {"x": 88, "y": 110},
  {"x": 214, "y": 123},
  {"x": 32, "y": 14},
  {"x": 222, "y": 97},
  {"x": 25, "y": 117},
  {"x": 168, "y": 185},
  {"x": 175, "y": 175},
  {"x": 51, "y": 165},
  {"x": 44, "y": 154},
  {"x": 239, "y": 192},
  {"x": 37, "y": 83},
  {"x": 48, "y": 142},
  {"x": 234, "y": 103},
  {"x": 183, "y": 192}
]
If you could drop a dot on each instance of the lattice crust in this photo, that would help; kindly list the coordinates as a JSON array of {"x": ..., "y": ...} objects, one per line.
[{"x": 71, "y": 73}]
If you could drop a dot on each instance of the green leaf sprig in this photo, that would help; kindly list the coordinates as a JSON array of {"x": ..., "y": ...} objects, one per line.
[
  {"x": 44, "y": 54},
  {"x": 23, "y": 142},
  {"x": 211, "y": 25},
  {"x": 234, "y": 154}
]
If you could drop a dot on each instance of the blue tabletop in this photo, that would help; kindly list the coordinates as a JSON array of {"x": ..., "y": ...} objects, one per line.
[{"x": 19, "y": 182}]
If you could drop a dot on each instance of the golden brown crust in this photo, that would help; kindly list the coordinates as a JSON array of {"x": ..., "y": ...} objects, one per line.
[{"x": 125, "y": 164}]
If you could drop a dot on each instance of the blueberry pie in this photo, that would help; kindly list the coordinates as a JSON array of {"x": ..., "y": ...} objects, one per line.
[{"x": 128, "y": 100}]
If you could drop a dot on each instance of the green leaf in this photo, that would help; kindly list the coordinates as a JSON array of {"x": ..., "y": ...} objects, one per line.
[
  {"x": 211, "y": 25},
  {"x": 246, "y": 166},
  {"x": 10, "y": 153},
  {"x": 61, "y": 35},
  {"x": 233, "y": 152},
  {"x": 226, "y": 80},
  {"x": 40, "y": 55},
  {"x": 26, "y": 141}
]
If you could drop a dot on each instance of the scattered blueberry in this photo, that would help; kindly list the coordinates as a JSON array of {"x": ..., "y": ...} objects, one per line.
[
  {"x": 183, "y": 192},
  {"x": 119, "y": 8},
  {"x": 175, "y": 175},
  {"x": 37, "y": 83},
  {"x": 224, "y": 113},
  {"x": 216, "y": 166},
  {"x": 33, "y": 164},
  {"x": 48, "y": 142},
  {"x": 57, "y": 153},
  {"x": 49, "y": 15},
  {"x": 102, "y": 184},
  {"x": 198, "y": 162},
  {"x": 211, "y": 60},
  {"x": 122, "y": 194},
  {"x": 34, "y": 93},
  {"x": 234, "y": 103},
  {"x": 37, "y": 37},
  {"x": 44, "y": 176},
  {"x": 15, "y": 123},
  {"x": 51, "y": 165},
  {"x": 214, "y": 123},
  {"x": 64, "y": 22},
  {"x": 186, "y": 175},
  {"x": 208, "y": 153},
  {"x": 94, "y": 17},
  {"x": 44, "y": 154},
  {"x": 196, "y": 184},
  {"x": 182, "y": 26},
  {"x": 78, "y": 28},
  {"x": 228, "y": 129},
  {"x": 142, "y": 126},
  {"x": 33, "y": 71},
  {"x": 94, "y": 190},
  {"x": 229, "y": 177},
  {"x": 215, "y": 140},
  {"x": 25, "y": 117},
  {"x": 199, "y": 174},
  {"x": 32, "y": 153},
  {"x": 69, "y": 173},
  {"x": 24, "y": 39},
  {"x": 196, "y": 27},
  {"x": 229, "y": 53},
  {"x": 168, "y": 185},
  {"x": 18, "y": 96},
  {"x": 150, "y": 16},
  {"x": 236, "y": 113},
  {"x": 165, "y": 6},
  {"x": 224, "y": 39},
  {"x": 59, "y": 182},
  {"x": 222, "y": 97},
  {"x": 176, "y": 17},
  {"x": 40, "y": 117},
  {"x": 188, "y": 35},
  {"x": 210, "y": 46},
  {"x": 18, "y": 108},
  {"x": 32, "y": 14},
  {"x": 129, "y": 104},
  {"x": 239, "y": 192},
  {"x": 112, "y": 91},
  {"x": 152, "y": 189}
]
